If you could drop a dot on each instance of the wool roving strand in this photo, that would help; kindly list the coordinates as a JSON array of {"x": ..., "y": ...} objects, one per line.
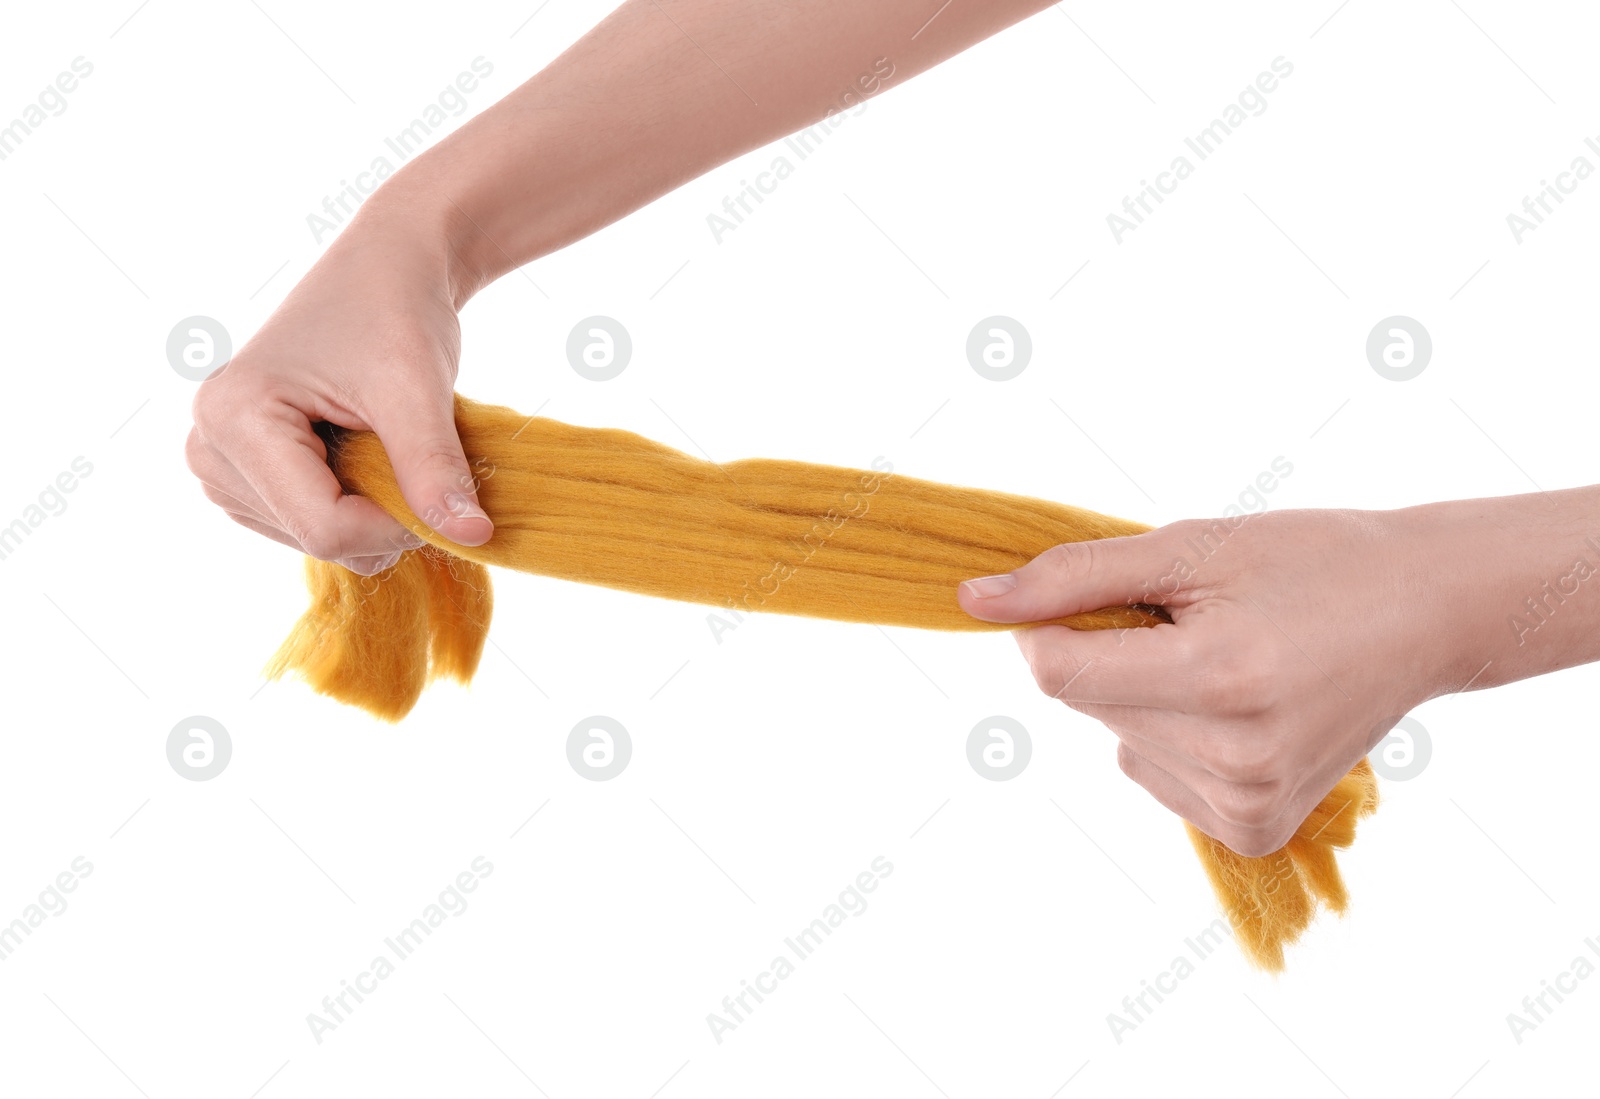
[{"x": 609, "y": 507}]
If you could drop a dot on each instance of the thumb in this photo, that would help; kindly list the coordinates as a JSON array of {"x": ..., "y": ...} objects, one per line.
[
  {"x": 1075, "y": 577},
  {"x": 435, "y": 479}
]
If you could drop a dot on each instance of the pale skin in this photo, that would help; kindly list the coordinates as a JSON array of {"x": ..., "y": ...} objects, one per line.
[
  {"x": 1301, "y": 639},
  {"x": 1294, "y": 646}
]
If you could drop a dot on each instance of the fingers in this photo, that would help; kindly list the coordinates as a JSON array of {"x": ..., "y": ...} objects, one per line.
[
  {"x": 1257, "y": 823},
  {"x": 1185, "y": 749},
  {"x": 1222, "y": 715},
  {"x": 1214, "y": 660},
  {"x": 435, "y": 479},
  {"x": 1200, "y": 749},
  {"x": 371, "y": 566},
  {"x": 1075, "y": 577},
  {"x": 1227, "y": 776},
  {"x": 266, "y": 464},
  {"x": 1145, "y": 666},
  {"x": 364, "y": 566},
  {"x": 1162, "y": 737},
  {"x": 264, "y": 529},
  {"x": 234, "y": 505}
]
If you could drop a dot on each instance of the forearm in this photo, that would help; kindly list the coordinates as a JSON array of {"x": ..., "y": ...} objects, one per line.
[
  {"x": 655, "y": 95},
  {"x": 1510, "y": 584}
]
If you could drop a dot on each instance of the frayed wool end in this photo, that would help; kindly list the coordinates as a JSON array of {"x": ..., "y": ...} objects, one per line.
[
  {"x": 1270, "y": 901},
  {"x": 377, "y": 641}
]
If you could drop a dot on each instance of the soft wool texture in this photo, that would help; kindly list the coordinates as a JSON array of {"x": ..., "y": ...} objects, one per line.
[{"x": 609, "y": 507}]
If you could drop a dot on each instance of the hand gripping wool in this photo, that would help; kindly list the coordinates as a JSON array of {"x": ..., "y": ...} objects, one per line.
[{"x": 604, "y": 506}]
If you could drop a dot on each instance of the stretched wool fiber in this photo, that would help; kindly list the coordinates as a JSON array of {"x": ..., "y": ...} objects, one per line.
[{"x": 605, "y": 506}]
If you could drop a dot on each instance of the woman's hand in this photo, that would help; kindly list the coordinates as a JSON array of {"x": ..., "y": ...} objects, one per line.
[
  {"x": 368, "y": 339},
  {"x": 635, "y": 108},
  {"x": 1298, "y": 640}
]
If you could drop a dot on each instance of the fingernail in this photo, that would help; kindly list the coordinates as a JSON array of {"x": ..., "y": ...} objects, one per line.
[
  {"x": 986, "y": 587},
  {"x": 462, "y": 507}
]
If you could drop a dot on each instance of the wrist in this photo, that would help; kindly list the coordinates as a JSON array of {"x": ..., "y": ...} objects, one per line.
[
  {"x": 418, "y": 226},
  {"x": 1507, "y": 587}
]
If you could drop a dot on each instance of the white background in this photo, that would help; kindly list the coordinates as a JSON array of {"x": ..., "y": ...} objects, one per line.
[{"x": 770, "y": 769}]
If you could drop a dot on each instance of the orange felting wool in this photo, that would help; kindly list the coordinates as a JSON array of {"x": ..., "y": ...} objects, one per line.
[{"x": 609, "y": 507}]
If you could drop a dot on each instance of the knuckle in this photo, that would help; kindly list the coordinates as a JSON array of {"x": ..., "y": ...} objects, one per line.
[
  {"x": 1061, "y": 557},
  {"x": 1245, "y": 767},
  {"x": 1066, "y": 559},
  {"x": 1254, "y": 845},
  {"x": 1182, "y": 654},
  {"x": 1256, "y": 808},
  {"x": 448, "y": 459},
  {"x": 318, "y": 542},
  {"x": 1213, "y": 692},
  {"x": 1234, "y": 684},
  {"x": 1128, "y": 760},
  {"x": 1076, "y": 559},
  {"x": 444, "y": 459},
  {"x": 1242, "y": 758},
  {"x": 1046, "y": 674},
  {"x": 218, "y": 405},
  {"x": 1253, "y": 687},
  {"x": 196, "y": 454},
  {"x": 1053, "y": 674},
  {"x": 220, "y": 498}
]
